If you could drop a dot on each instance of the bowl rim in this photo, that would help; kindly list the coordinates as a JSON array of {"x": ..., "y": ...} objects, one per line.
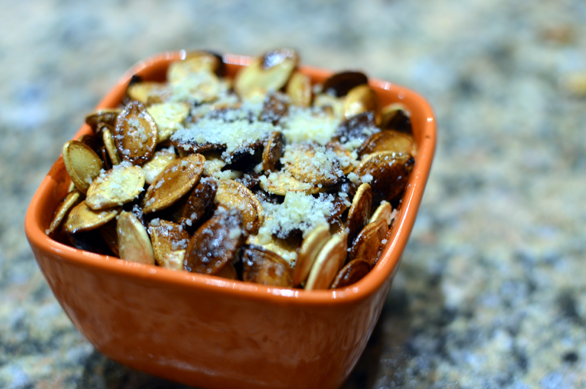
[{"x": 383, "y": 271}]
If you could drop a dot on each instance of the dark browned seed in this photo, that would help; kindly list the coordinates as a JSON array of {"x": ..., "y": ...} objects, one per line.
[
  {"x": 82, "y": 218},
  {"x": 103, "y": 152},
  {"x": 234, "y": 195},
  {"x": 167, "y": 238},
  {"x": 357, "y": 127},
  {"x": 228, "y": 271},
  {"x": 215, "y": 243},
  {"x": 89, "y": 140},
  {"x": 299, "y": 89},
  {"x": 396, "y": 117},
  {"x": 194, "y": 147},
  {"x": 176, "y": 180},
  {"x": 328, "y": 262},
  {"x": 383, "y": 212},
  {"x": 88, "y": 241},
  {"x": 265, "y": 267},
  {"x": 387, "y": 140},
  {"x": 134, "y": 243},
  {"x": 62, "y": 210},
  {"x": 353, "y": 272},
  {"x": 200, "y": 204},
  {"x": 135, "y": 133},
  {"x": 367, "y": 244},
  {"x": 82, "y": 164},
  {"x": 310, "y": 248},
  {"x": 110, "y": 236},
  {"x": 273, "y": 151},
  {"x": 359, "y": 212},
  {"x": 341, "y": 83},
  {"x": 274, "y": 108},
  {"x": 103, "y": 116},
  {"x": 340, "y": 205},
  {"x": 362, "y": 99},
  {"x": 389, "y": 171},
  {"x": 249, "y": 180}
]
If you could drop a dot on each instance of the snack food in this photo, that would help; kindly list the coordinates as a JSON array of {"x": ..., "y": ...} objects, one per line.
[{"x": 264, "y": 178}]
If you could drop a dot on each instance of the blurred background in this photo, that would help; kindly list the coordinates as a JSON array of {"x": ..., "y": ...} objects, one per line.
[{"x": 491, "y": 290}]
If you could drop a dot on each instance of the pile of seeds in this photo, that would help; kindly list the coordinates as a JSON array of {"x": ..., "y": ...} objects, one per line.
[{"x": 265, "y": 178}]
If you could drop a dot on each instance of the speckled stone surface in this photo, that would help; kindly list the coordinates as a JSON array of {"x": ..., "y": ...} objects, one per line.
[{"x": 492, "y": 288}]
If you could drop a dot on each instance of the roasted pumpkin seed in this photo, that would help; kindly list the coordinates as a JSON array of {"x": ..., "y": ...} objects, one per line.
[
  {"x": 133, "y": 240},
  {"x": 362, "y": 99},
  {"x": 353, "y": 272},
  {"x": 82, "y": 164},
  {"x": 117, "y": 186},
  {"x": 368, "y": 243},
  {"x": 396, "y": 117},
  {"x": 194, "y": 62},
  {"x": 103, "y": 116},
  {"x": 83, "y": 218},
  {"x": 388, "y": 140},
  {"x": 215, "y": 243},
  {"x": 310, "y": 248},
  {"x": 200, "y": 204},
  {"x": 168, "y": 117},
  {"x": 178, "y": 178},
  {"x": 327, "y": 264},
  {"x": 234, "y": 195},
  {"x": 159, "y": 161},
  {"x": 110, "y": 145},
  {"x": 265, "y": 267},
  {"x": 341, "y": 83},
  {"x": 62, "y": 210},
  {"x": 299, "y": 89},
  {"x": 146, "y": 91},
  {"x": 313, "y": 164},
  {"x": 135, "y": 133},
  {"x": 383, "y": 212},
  {"x": 168, "y": 238},
  {"x": 359, "y": 212}
]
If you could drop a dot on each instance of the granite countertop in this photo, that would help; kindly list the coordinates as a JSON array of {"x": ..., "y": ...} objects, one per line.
[{"x": 491, "y": 290}]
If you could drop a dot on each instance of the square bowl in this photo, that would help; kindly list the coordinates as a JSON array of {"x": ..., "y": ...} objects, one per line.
[{"x": 212, "y": 332}]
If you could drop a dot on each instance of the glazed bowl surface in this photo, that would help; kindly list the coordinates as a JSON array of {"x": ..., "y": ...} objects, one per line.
[{"x": 212, "y": 332}]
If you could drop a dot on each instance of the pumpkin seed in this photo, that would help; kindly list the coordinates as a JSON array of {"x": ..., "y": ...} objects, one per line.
[
  {"x": 228, "y": 271},
  {"x": 194, "y": 62},
  {"x": 310, "y": 248},
  {"x": 168, "y": 117},
  {"x": 359, "y": 212},
  {"x": 388, "y": 140},
  {"x": 341, "y": 83},
  {"x": 178, "y": 178},
  {"x": 111, "y": 146},
  {"x": 232, "y": 194},
  {"x": 313, "y": 164},
  {"x": 265, "y": 267},
  {"x": 353, "y": 272},
  {"x": 282, "y": 182},
  {"x": 396, "y": 117},
  {"x": 69, "y": 201},
  {"x": 200, "y": 204},
  {"x": 215, "y": 243},
  {"x": 367, "y": 244},
  {"x": 167, "y": 238},
  {"x": 383, "y": 212},
  {"x": 82, "y": 164},
  {"x": 274, "y": 108},
  {"x": 299, "y": 89},
  {"x": 362, "y": 99},
  {"x": 83, "y": 218},
  {"x": 135, "y": 133},
  {"x": 133, "y": 240},
  {"x": 117, "y": 186},
  {"x": 103, "y": 116},
  {"x": 147, "y": 91},
  {"x": 110, "y": 236},
  {"x": 159, "y": 161},
  {"x": 328, "y": 262}
]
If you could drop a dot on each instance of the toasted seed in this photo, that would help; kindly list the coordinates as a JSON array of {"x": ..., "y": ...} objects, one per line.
[
  {"x": 135, "y": 133},
  {"x": 341, "y": 83},
  {"x": 328, "y": 262},
  {"x": 299, "y": 89},
  {"x": 282, "y": 182},
  {"x": 249, "y": 180},
  {"x": 389, "y": 172},
  {"x": 353, "y": 272},
  {"x": 285, "y": 248},
  {"x": 178, "y": 178},
  {"x": 343, "y": 155},
  {"x": 82, "y": 164},
  {"x": 194, "y": 62},
  {"x": 357, "y": 128},
  {"x": 89, "y": 140},
  {"x": 200, "y": 204},
  {"x": 168, "y": 117},
  {"x": 367, "y": 244},
  {"x": 359, "y": 212},
  {"x": 383, "y": 212},
  {"x": 111, "y": 146},
  {"x": 362, "y": 99},
  {"x": 272, "y": 153},
  {"x": 69, "y": 201},
  {"x": 110, "y": 236},
  {"x": 388, "y": 140},
  {"x": 103, "y": 116},
  {"x": 117, "y": 186},
  {"x": 310, "y": 248},
  {"x": 167, "y": 238},
  {"x": 83, "y": 218},
  {"x": 396, "y": 117},
  {"x": 88, "y": 241},
  {"x": 332, "y": 105},
  {"x": 104, "y": 155},
  {"x": 266, "y": 73},
  {"x": 336, "y": 226},
  {"x": 232, "y": 194},
  {"x": 274, "y": 108},
  {"x": 315, "y": 165},
  {"x": 265, "y": 267},
  {"x": 154, "y": 166},
  {"x": 215, "y": 243},
  {"x": 339, "y": 206},
  {"x": 149, "y": 91},
  {"x": 133, "y": 240},
  {"x": 228, "y": 271}
]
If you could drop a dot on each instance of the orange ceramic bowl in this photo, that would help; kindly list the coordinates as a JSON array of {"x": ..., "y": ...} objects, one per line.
[{"x": 212, "y": 332}]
